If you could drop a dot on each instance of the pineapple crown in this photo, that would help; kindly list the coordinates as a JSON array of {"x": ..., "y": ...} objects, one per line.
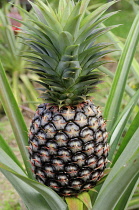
[{"x": 64, "y": 52}]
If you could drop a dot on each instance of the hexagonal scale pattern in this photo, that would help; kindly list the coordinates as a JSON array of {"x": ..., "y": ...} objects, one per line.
[{"x": 68, "y": 147}]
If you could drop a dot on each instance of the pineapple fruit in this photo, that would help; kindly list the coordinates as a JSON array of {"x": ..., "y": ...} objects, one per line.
[{"x": 68, "y": 146}]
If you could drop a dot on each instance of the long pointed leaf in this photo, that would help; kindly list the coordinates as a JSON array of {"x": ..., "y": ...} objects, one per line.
[
  {"x": 118, "y": 86},
  {"x": 5, "y": 147},
  {"x": 53, "y": 200},
  {"x": 128, "y": 89},
  {"x": 132, "y": 129},
  {"x": 133, "y": 204},
  {"x": 15, "y": 118},
  {"x": 119, "y": 45},
  {"x": 117, "y": 180},
  {"x": 120, "y": 124},
  {"x": 128, "y": 193},
  {"x": 51, "y": 20},
  {"x": 32, "y": 199}
]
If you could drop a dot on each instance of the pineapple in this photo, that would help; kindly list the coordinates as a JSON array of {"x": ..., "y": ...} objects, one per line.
[{"x": 68, "y": 146}]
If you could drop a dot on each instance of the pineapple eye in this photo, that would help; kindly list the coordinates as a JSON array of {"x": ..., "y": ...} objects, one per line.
[
  {"x": 87, "y": 186},
  {"x": 61, "y": 139},
  {"x": 81, "y": 119},
  {"x": 67, "y": 192},
  {"x": 90, "y": 111},
  {"x": 45, "y": 156},
  {"x": 93, "y": 123},
  {"x": 89, "y": 148},
  {"x": 59, "y": 122},
  {"x": 37, "y": 122},
  {"x": 46, "y": 117},
  {"x": 87, "y": 134},
  {"x": 99, "y": 137},
  {"x": 41, "y": 109},
  {"x": 50, "y": 130},
  {"x": 105, "y": 136},
  {"x": 34, "y": 144},
  {"x": 41, "y": 175},
  {"x": 72, "y": 130},
  {"x": 62, "y": 179},
  {"x": 92, "y": 161},
  {"x": 84, "y": 173},
  {"x": 52, "y": 147},
  {"x": 68, "y": 113},
  {"x": 41, "y": 137},
  {"x": 102, "y": 124},
  {"x": 54, "y": 185},
  {"x": 49, "y": 170},
  {"x": 71, "y": 169},
  {"x": 58, "y": 163},
  {"x": 37, "y": 160},
  {"x": 94, "y": 176},
  {"x": 99, "y": 150},
  {"x": 106, "y": 150},
  {"x": 75, "y": 145},
  {"x": 94, "y": 108},
  {"x": 101, "y": 163},
  {"x": 65, "y": 154},
  {"x": 79, "y": 158},
  {"x": 76, "y": 183}
]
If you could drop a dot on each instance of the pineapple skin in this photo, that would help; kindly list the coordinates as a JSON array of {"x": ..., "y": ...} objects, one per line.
[{"x": 68, "y": 147}]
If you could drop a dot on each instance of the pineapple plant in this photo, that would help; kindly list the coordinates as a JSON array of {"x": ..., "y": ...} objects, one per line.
[
  {"x": 123, "y": 139},
  {"x": 68, "y": 146}
]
